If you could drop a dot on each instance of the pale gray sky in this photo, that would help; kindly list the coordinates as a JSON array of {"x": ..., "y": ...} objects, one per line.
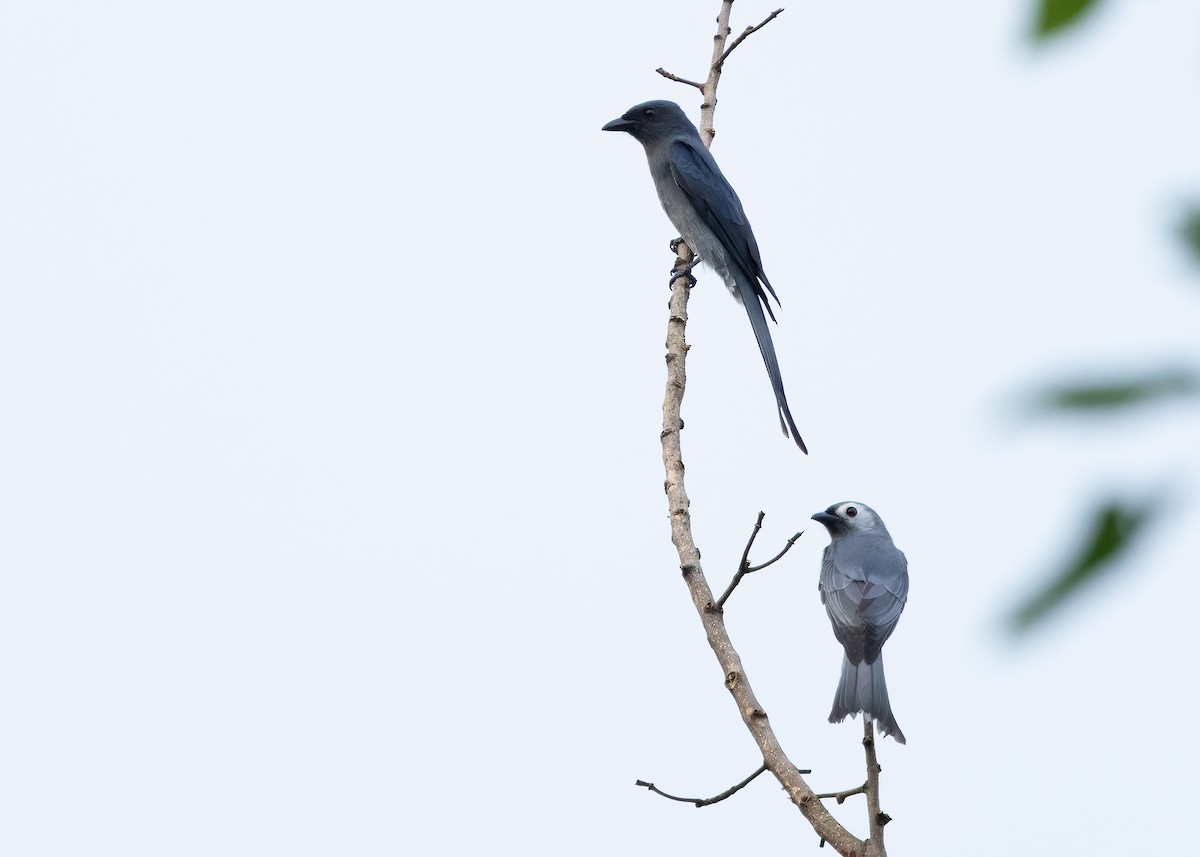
[{"x": 331, "y": 352}]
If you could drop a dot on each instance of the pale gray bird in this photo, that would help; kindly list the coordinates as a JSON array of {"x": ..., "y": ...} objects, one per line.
[
  {"x": 708, "y": 214},
  {"x": 864, "y": 584}
]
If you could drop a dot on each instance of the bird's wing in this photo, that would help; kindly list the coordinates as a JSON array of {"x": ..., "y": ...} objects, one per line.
[
  {"x": 718, "y": 205},
  {"x": 864, "y": 584},
  {"x": 841, "y": 594}
]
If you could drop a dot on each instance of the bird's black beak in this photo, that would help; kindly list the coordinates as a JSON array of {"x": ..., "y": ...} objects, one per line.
[
  {"x": 621, "y": 124},
  {"x": 825, "y": 518}
]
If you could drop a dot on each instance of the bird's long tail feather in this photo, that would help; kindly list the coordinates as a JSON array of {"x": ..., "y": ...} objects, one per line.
[
  {"x": 862, "y": 688},
  {"x": 762, "y": 332}
]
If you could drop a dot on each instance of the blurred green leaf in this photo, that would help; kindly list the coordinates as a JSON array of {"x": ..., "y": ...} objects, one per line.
[
  {"x": 1113, "y": 395},
  {"x": 1114, "y": 528},
  {"x": 1189, "y": 230},
  {"x": 1056, "y": 15}
]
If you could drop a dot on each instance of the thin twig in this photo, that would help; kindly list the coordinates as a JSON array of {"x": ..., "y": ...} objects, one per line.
[
  {"x": 748, "y": 31},
  {"x": 777, "y": 556},
  {"x": 745, "y": 563},
  {"x": 705, "y": 801},
  {"x": 840, "y": 797},
  {"x": 744, "y": 566},
  {"x": 678, "y": 79}
]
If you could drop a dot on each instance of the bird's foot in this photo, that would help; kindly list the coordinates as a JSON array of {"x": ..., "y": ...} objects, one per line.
[
  {"x": 685, "y": 272},
  {"x": 675, "y": 242},
  {"x": 688, "y": 279}
]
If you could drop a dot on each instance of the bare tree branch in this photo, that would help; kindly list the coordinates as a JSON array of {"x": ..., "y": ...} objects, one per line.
[
  {"x": 736, "y": 681},
  {"x": 720, "y": 53},
  {"x": 748, "y": 31},
  {"x": 713, "y": 621},
  {"x": 875, "y": 818},
  {"x": 745, "y": 563},
  {"x": 677, "y": 79},
  {"x": 708, "y": 107},
  {"x": 706, "y": 801},
  {"x": 744, "y": 566},
  {"x": 840, "y": 797},
  {"x": 787, "y": 547}
]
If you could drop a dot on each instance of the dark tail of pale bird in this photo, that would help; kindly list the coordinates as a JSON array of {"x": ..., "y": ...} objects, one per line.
[{"x": 863, "y": 688}]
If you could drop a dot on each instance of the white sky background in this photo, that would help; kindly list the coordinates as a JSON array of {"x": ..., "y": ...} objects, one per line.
[{"x": 331, "y": 512}]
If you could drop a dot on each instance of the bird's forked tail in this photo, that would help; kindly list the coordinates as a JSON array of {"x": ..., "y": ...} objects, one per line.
[
  {"x": 862, "y": 688},
  {"x": 762, "y": 333}
]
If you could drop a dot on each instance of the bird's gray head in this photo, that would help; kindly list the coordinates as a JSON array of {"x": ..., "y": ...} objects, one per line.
[
  {"x": 850, "y": 518},
  {"x": 653, "y": 121}
]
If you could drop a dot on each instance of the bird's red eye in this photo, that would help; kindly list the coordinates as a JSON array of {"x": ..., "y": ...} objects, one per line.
[{"x": 851, "y": 511}]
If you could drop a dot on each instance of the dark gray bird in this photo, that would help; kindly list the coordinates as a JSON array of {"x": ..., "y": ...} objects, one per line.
[
  {"x": 864, "y": 584},
  {"x": 708, "y": 214}
]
